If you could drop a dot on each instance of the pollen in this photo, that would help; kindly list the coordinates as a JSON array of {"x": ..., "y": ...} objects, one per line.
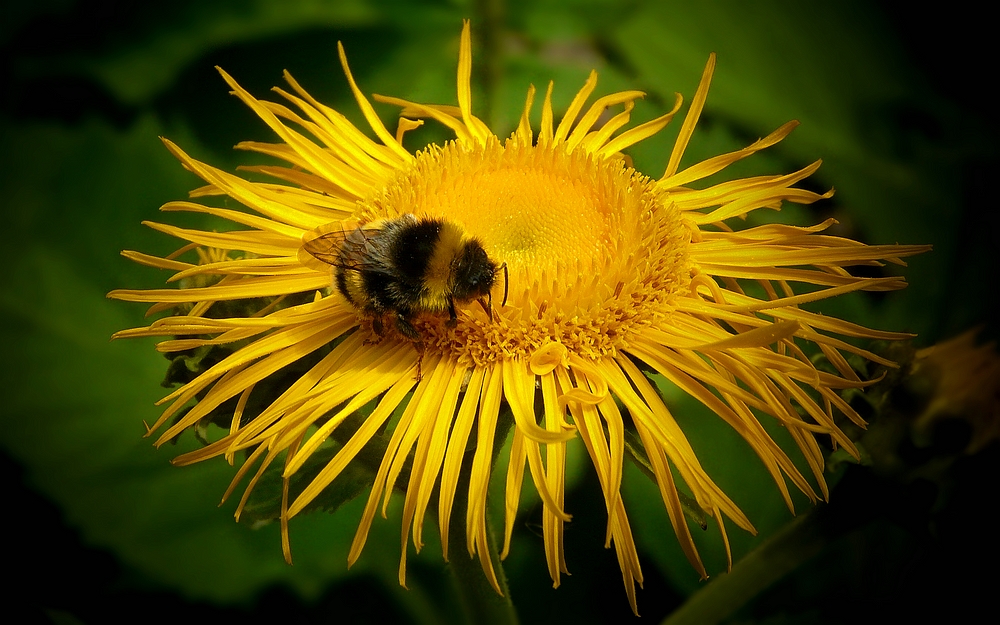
[{"x": 592, "y": 247}]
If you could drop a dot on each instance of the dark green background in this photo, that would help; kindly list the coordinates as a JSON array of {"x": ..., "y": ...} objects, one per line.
[{"x": 99, "y": 526}]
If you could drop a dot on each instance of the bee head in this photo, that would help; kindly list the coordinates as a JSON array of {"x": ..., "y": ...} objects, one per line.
[{"x": 473, "y": 271}]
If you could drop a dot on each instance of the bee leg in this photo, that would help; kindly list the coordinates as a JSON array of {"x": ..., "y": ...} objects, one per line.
[
  {"x": 406, "y": 328},
  {"x": 378, "y": 331},
  {"x": 419, "y": 346},
  {"x": 452, "y": 315},
  {"x": 487, "y": 306}
]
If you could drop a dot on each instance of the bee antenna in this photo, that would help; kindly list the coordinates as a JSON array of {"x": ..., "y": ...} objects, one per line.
[{"x": 506, "y": 278}]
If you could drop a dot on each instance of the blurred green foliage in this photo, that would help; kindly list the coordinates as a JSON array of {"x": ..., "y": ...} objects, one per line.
[{"x": 90, "y": 84}]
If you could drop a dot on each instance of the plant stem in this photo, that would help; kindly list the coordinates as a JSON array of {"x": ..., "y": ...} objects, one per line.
[
  {"x": 781, "y": 554},
  {"x": 480, "y": 601},
  {"x": 491, "y": 17}
]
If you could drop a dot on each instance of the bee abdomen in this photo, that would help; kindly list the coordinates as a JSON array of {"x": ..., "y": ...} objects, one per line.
[{"x": 422, "y": 253}]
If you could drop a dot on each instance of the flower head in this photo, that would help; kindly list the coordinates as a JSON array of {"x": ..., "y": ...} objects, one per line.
[
  {"x": 965, "y": 378},
  {"x": 613, "y": 277}
]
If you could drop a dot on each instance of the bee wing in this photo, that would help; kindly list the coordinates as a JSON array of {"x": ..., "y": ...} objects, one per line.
[
  {"x": 339, "y": 246},
  {"x": 321, "y": 246},
  {"x": 326, "y": 247}
]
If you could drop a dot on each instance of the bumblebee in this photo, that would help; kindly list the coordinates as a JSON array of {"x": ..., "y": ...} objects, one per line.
[{"x": 404, "y": 267}]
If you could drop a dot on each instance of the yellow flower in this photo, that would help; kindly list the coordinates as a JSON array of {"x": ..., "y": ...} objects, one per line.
[
  {"x": 612, "y": 276},
  {"x": 966, "y": 382}
]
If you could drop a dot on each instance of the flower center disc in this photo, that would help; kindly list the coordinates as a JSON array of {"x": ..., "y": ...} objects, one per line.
[{"x": 588, "y": 242}]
